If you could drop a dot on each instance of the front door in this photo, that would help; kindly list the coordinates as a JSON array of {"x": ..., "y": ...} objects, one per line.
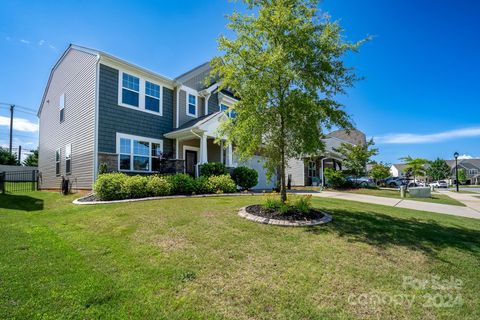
[{"x": 190, "y": 162}]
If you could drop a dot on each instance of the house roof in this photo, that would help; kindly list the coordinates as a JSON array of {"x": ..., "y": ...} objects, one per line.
[
  {"x": 353, "y": 136},
  {"x": 400, "y": 166}
]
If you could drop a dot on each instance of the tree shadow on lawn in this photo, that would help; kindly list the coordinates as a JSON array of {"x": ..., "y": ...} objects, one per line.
[
  {"x": 383, "y": 231},
  {"x": 20, "y": 202}
]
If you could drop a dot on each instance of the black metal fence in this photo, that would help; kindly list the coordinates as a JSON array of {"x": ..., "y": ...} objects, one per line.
[{"x": 18, "y": 181}]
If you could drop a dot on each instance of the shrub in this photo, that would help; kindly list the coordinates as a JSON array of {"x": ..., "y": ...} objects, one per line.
[
  {"x": 335, "y": 179},
  {"x": 136, "y": 187},
  {"x": 158, "y": 186},
  {"x": 103, "y": 168},
  {"x": 222, "y": 184},
  {"x": 212, "y": 169},
  {"x": 182, "y": 183},
  {"x": 111, "y": 186},
  {"x": 273, "y": 202},
  {"x": 203, "y": 186},
  {"x": 303, "y": 203},
  {"x": 245, "y": 177}
]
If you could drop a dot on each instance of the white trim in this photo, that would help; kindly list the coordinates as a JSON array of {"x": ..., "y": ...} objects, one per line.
[
  {"x": 95, "y": 139},
  {"x": 194, "y": 93},
  {"x": 138, "y": 138},
  {"x": 141, "y": 92},
  {"x": 185, "y": 148},
  {"x": 177, "y": 106}
]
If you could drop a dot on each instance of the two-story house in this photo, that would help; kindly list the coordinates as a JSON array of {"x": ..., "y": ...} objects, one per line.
[{"x": 99, "y": 109}]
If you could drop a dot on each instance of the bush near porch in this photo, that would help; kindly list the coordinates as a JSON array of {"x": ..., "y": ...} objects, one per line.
[{"x": 119, "y": 186}]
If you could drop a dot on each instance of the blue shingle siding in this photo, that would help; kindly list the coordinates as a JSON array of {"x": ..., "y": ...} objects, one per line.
[
  {"x": 213, "y": 103},
  {"x": 113, "y": 118}
]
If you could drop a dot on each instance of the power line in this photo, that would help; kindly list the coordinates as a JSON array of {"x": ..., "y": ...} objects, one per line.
[{"x": 18, "y": 106}]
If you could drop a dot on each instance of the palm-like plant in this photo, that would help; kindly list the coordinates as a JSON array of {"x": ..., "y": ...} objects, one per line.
[{"x": 416, "y": 166}]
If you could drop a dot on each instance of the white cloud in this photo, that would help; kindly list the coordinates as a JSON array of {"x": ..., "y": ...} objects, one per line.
[
  {"x": 41, "y": 42},
  {"x": 466, "y": 156},
  {"x": 412, "y": 138},
  {"x": 24, "y": 41},
  {"x": 19, "y": 124}
]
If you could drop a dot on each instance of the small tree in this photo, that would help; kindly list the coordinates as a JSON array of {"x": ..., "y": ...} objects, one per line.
[
  {"x": 438, "y": 170},
  {"x": 415, "y": 166},
  {"x": 462, "y": 176},
  {"x": 356, "y": 157},
  {"x": 285, "y": 64},
  {"x": 31, "y": 160},
  {"x": 379, "y": 171},
  {"x": 7, "y": 158}
]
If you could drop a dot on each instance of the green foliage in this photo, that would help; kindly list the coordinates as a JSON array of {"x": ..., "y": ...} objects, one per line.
[
  {"x": 438, "y": 170},
  {"x": 158, "y": 186},
  {"x": 416, "y": 166},
  {"x": 103, "y": 168},
  {"x": 32, "y": 159},
  {"x": 203, "y": 185},
  {"x": 303, "y": 203},
  {"x": 111, "y": 186},
  {"x": 379, "y": 171},
  {"x": 7, "y": 158},
  {"x": 274, "y": 203},
  {"x": 462, "y": 176},
  {"x": 182, "y": 184},
  {"x": 334, "y": 179},
  {"x": 245, "y": 177},
  {"x": 285, "y": 64},
  {"x": 222, "y": 184},
  {"x": 136, "y": 187},
  {"x": 212, "y": 169},
  {"x": 356, "y": 157}
]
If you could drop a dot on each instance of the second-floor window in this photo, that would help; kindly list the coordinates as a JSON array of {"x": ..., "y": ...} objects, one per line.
[
  {"x": 192, "y": 105},
  {"x": 61, "y": 106},
  {"x": 68, "y": 158},
  {"x": 130, "y": 89},
  {"x": 230, "y": 113},
  {"x": 473, "y": 172},
  {"x": 152, "y": 96}
]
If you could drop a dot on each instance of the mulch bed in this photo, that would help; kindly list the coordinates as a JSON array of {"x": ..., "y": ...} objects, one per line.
[{"x": 291, "y": 215}]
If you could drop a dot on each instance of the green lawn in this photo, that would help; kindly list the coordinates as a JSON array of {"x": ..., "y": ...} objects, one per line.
[
  {"x": 196, "y": 259},
  {"x": 436, "y": 198}
]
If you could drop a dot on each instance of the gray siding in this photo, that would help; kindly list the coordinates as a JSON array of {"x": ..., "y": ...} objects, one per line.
[
  {"x": 182, "y": 107},
  {"x": 75, "y": 77},
  {"x": 198, "y": 82},
  {"x": 213, "y": 103},
  {"x": 114, "y": 118}
]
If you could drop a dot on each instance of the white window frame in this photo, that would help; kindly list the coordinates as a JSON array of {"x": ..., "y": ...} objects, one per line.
[
  {"x": 61, "y": 107},
  {"x": 228, "y": 112},
  {"x": 187, "y": 102},
  {"x": 472, "y": 172},
  {"x": 59, "y": 161},
  {"x": 68, "y": 157},
  {"x": 138, "y": 138},
  {"x": 159, "y": 98},
  {"x": 141, "y": 92}
]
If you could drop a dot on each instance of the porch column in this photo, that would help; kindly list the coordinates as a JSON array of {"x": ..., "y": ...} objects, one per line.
[
  {"x": 203, "y": 149},
  {"x": 229, "y": 156},
  {"x": 221, "y": 151}
]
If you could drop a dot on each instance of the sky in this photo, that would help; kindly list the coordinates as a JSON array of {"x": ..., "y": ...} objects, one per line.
[{"x": 420, "y": 95}]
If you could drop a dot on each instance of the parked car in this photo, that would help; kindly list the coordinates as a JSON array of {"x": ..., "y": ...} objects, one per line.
[
  {"x": 363, "y": 182},
  {"x": 439, "y": 184},
  {"x": 393, "y": 182}
]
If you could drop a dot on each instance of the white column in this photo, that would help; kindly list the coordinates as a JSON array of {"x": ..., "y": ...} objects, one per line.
[
  {"x": 221, "y": 151},
  {"x": 229, "y": 156},
  {"x": 203, "y": 149},
  {"x": 176, "y": 149}
]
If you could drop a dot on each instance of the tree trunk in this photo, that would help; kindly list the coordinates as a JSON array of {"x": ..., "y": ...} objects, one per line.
[{"x": 283, "y": 189}]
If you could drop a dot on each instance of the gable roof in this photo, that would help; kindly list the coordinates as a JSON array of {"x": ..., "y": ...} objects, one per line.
[{"x": 354, "y": 136}]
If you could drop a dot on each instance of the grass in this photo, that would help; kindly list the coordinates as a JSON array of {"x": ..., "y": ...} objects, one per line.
[
  {"x": 196, "y": 259},
  {"x": 436, "y": 198}
]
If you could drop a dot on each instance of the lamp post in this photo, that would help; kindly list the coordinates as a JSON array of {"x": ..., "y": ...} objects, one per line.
[{"x": 456, "y": 168}]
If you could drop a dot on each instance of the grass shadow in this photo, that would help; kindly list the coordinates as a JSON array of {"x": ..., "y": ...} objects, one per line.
[
  {"x": 20, "y": 202},
  {"x": 384, "y": 231}
]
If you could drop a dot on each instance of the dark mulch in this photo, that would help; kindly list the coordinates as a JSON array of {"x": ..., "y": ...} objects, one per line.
[
  {"x": 89, "y": 198},
  {"x": 292, "y": 215}
]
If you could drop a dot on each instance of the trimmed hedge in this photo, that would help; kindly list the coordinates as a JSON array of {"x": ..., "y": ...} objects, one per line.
[
  {"x": 245, "y": 177},
  {"x": 118, "y": 186},
  {"x": 212, "y": 169}
]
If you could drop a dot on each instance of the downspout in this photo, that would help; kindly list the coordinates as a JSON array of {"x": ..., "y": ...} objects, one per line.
[{"x": 196, "y": 164}]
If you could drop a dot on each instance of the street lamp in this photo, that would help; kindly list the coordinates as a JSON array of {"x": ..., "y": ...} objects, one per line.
[{"x": 456, "y": 168}]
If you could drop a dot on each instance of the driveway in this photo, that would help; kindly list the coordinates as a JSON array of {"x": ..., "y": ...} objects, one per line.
[{"x": 472, "y": 209}]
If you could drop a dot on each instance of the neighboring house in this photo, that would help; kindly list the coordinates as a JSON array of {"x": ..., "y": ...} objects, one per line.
[
  {"x": 398, "y": 170},
  {"x": 100, "y": 109},
  {"x": 471, "y": 167}
]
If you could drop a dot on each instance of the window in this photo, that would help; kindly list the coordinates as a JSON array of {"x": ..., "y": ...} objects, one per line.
[
  {"x": 57, "y": 162},
  {"x": 312, "y": 169},
  {"x": 231, "y": 113},
  {"x": 473, "y": 172},
  {"x": 68, "y": 158},
  {"x": 192, "y": 105},
  {"x": 130, "y": 89},
  {"x": 152, "y": 96},
  {"x": 61, "y": 106},
  {"x": 138, "y": 153}
]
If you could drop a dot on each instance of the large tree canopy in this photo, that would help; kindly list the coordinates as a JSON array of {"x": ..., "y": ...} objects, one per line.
[
  {"x": 356, "y": 157},
  {"x": 285, "y": 64},
  {"x": 438, "y": 170}
]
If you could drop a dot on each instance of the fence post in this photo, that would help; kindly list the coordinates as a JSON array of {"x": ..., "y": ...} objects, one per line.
[
  {"x": 33, "y": 180},
  {"x": 2, "y": 182}
]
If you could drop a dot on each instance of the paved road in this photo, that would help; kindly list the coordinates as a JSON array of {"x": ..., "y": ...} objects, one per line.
[{"x": 471, "y": 211}]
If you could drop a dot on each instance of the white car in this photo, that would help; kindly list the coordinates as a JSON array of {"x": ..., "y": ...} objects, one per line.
[{"x": 439, "y": 184}]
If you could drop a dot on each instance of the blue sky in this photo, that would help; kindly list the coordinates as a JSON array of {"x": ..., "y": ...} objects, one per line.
[{"x": 420, "y": 96}]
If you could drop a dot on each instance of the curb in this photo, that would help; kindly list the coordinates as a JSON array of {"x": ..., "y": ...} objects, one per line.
[
  {"x": 307, "y": 223},
  {"x": 78, "y": 202}
]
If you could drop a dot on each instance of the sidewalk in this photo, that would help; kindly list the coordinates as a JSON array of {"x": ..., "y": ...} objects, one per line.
[
  {"x": 470, "y": 200},
  {"x": 470, "y": 211}
]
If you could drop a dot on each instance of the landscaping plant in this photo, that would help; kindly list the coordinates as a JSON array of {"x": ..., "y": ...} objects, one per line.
[
  {"x": 245, "y": 177},
  {"x": 222, "y": 184},
  {"x": 334, "y": 178},
  {"x": 158, "y": 186},
  {"x": 182, "y": 183},
  {"x": 111, "y": 186},
  {"x": 212, "y": 169}
]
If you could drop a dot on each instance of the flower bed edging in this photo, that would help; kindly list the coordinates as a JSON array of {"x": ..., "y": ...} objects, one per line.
[
  {"x": 79, "y": 202},
  {"x": 308, "y": 223}
]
